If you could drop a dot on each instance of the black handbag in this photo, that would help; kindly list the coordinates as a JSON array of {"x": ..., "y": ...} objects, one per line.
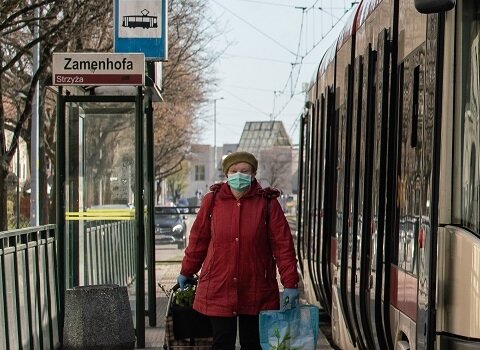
[{"x": 189, "y": 323}]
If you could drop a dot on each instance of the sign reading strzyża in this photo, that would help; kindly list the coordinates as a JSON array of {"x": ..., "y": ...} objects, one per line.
[{"x": 98, "y": 69}]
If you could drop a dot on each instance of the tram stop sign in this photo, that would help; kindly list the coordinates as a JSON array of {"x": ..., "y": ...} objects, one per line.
[
  {"x": 98, "y": 69},
  {"x": 141, "y": 26}
]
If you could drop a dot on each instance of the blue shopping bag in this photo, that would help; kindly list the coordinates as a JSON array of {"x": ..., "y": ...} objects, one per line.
[{"x": 294, "y": 329}]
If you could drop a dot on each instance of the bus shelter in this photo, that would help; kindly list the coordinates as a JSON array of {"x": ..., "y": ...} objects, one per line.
[{"x": 105, "y": 193}]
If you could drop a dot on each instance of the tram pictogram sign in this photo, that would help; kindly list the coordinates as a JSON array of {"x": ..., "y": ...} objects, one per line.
[
  {"x": 98, "y": 69},
  {"x": 141, "y": 26},
  {"x": 143, "y": 21}
]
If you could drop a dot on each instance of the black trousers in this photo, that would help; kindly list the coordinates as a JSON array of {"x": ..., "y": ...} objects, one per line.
[{"x": 225, "y": 332}]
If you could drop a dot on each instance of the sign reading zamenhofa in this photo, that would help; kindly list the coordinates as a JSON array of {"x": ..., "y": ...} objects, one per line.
[
  {"x": 98, "y": 69},
  {"x": 141, "y": 26}
]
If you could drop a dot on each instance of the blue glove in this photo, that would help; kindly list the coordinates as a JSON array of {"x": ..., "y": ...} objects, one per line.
[
  {"x": 182, "y": 281},
  {"x": 289, "y": 298}
]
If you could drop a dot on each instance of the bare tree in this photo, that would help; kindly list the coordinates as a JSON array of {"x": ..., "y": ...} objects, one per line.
[
  {"x": 57, "y": 25},
  {"x": 187, "y": 80},
  {"x": 86, "y": 26},
  {"x": 176, "y": 183},
  {"x": 275, "y": 168}
]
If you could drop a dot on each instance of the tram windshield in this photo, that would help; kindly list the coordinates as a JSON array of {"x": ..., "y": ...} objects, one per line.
[{"x": 467, "y": 150}]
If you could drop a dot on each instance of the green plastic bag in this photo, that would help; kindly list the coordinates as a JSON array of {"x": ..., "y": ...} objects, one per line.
[{"x": 292, "y": 329}]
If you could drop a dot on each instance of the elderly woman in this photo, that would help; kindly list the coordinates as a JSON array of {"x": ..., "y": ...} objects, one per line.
[{"x": 239, "y": 237}]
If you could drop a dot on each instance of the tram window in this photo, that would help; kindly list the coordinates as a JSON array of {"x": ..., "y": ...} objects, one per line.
[
  {"x": 416, "y": 79},
  {"x": 467, "y": 140}
]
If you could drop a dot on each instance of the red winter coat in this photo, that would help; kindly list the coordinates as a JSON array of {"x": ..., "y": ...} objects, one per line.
[{"x": 237, "y": 256}]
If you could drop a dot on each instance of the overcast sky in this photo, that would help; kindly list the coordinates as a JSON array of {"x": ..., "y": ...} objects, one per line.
[{"x": 273, "y": 50}]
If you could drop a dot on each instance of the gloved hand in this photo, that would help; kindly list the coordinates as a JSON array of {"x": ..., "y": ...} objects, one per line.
[
  {"x": 289, "y": 298},
  {"x": 182, "y": 281}
]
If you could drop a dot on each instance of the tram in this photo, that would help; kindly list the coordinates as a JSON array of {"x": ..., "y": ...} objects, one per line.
[{"x": 389, "y": 180}]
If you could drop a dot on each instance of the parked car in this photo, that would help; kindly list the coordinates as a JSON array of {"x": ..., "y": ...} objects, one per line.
[
  {"x": 170, "y": 226},
  {"x": 183, "y": 205}
]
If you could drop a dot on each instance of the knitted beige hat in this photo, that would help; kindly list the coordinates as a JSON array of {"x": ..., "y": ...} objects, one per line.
[{"x": 237, "y": 157}]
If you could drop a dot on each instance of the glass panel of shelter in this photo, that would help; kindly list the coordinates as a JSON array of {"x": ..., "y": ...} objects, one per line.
[{"x": 99, "y": 195}]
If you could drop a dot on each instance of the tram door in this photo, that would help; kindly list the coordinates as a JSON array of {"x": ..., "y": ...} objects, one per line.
[
  {"x": 414, "y": 194},
  {"x": 360, "y": 204},
  {"x": 376, "y": 216}
]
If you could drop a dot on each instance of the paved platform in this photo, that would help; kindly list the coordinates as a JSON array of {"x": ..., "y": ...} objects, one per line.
[{"x": 166, "y": 273}]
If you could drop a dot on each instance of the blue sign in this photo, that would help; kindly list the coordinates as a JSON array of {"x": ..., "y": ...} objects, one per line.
[{"x": 141, "y": 27}]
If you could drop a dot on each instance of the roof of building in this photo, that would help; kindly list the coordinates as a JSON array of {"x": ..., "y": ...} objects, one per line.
[{"x": 257, "y": 136}]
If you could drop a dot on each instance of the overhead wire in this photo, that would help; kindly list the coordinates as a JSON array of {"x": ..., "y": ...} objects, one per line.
[
  {"x": 263, "y": 59},
  {"x": 267, "y": 3},
  {"x": 295, "y": 124},
  {"x": 328, "y": 32},
  {"x": 249, "y": 88},
  {"x": 292, "y": 78},
  {"x": 254, "y": 27},
  {"x": 330, "y": 14},
  {"x": 246, "y": 102},
  {"x": 313, "y": 47}
]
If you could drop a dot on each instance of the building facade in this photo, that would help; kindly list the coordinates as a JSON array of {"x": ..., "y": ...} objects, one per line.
[
  {"x": 278, "y": 159},
  {"x": 267, "y": 140}
]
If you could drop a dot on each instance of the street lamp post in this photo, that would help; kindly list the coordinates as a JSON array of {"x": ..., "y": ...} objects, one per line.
[
  {"x": 35, "y": 133},
  {"x": 20, "y": 98},
  {"x": 215, "y": 137},
  {"x": 17, "y": 209}
]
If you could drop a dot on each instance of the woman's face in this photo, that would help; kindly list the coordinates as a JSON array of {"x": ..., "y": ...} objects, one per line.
[{"x": 242, "y": 167}]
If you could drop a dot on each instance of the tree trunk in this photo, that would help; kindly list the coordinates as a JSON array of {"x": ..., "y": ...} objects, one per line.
[{"x": 108, "y": 190}]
